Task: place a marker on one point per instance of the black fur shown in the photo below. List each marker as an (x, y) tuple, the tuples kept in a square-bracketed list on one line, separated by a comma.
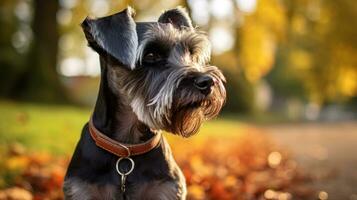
[(102, 35), (93, 165), (177, 17)]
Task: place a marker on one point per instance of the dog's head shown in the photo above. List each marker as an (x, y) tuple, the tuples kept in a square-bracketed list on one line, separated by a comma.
[(161, 69)]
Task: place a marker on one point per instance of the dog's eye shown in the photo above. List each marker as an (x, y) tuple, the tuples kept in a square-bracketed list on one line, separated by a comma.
[(152, 57)]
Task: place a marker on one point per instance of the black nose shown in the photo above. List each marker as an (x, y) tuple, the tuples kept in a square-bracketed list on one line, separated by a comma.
[(203, 83)]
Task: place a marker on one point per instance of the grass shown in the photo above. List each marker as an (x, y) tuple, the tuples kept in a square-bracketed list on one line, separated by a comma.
[(56, 128), (49, 128)]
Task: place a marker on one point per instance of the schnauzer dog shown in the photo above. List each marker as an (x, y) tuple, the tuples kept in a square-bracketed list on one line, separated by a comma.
[(154, 76)]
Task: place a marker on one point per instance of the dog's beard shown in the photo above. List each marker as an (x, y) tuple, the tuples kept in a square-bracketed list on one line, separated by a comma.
[(169, 105), (189, 110)]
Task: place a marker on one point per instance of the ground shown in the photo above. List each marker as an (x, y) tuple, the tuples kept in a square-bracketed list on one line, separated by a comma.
[(228, 159), (326, 150)]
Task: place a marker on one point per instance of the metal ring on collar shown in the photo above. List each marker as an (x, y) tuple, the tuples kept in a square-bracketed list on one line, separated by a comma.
[(131, 166)]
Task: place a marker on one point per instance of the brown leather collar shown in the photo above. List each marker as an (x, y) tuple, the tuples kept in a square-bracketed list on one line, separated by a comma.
[(121, 149)]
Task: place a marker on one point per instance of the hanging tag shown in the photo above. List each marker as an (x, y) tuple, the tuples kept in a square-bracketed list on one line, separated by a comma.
[(124, 174)]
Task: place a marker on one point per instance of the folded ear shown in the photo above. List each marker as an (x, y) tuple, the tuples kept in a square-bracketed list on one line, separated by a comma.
[(178, 17), (114, 35)]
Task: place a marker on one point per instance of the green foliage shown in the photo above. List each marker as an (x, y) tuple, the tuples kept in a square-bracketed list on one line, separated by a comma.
[(240, 93), (285, 81), (318, 52)]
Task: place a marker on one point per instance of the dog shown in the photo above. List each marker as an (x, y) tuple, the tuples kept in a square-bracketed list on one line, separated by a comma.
[(155, 76)]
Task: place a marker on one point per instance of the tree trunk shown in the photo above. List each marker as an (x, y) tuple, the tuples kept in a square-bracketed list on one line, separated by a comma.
[(40, 81), (10, 64)]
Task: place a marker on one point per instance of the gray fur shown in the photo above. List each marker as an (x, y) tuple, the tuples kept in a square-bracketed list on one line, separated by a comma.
[(189, 53)]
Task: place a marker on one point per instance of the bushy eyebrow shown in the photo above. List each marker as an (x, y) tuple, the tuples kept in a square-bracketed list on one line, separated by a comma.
[(198, 46), (169, 38)]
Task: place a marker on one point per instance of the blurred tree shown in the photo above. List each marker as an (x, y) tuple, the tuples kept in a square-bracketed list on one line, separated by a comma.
[(285, 79), (39, 80), (10, 65), (240, 93), (334, 71), (259, 36), (304, 48), (316, 60)]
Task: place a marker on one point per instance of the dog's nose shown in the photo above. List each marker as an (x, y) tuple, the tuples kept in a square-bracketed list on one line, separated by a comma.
[(203, 83)]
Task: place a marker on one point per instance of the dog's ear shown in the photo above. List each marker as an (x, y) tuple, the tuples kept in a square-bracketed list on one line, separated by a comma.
[(178, 17), (114, 35)]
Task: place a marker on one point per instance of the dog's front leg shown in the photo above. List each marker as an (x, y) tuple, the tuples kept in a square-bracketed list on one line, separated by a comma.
[(76, 189), (161, 190)]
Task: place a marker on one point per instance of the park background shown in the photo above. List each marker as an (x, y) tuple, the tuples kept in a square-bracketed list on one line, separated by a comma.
[(287, 131)]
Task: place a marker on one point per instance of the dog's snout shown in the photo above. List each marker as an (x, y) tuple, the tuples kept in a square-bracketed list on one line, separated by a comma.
[(204, 83)]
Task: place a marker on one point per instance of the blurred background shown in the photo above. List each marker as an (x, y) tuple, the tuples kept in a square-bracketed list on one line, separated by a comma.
[(288, 130)]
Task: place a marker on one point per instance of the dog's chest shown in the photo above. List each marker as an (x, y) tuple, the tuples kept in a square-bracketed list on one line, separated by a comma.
[(92, 176), (166, 190)]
